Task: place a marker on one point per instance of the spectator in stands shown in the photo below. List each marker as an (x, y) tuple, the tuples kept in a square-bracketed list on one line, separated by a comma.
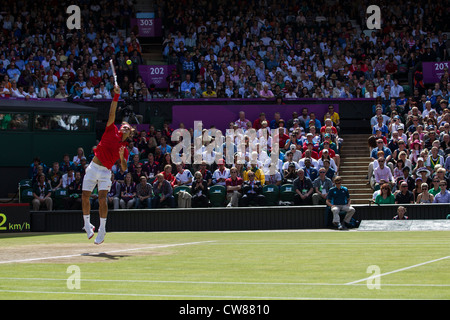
[(424, 196), (73, 201), (186, 85), (163, 193), (383, 174), (339, 201), (251, 192), (322, 185), (127, 192), (221, 174), (144, 194), (385, 196), (42, 193), (54, 177), (303, 189), (199, 190), (234, 188), (404, 196), (113, 195), (183, 177), (444, 195), (68, 178), (258, 173)]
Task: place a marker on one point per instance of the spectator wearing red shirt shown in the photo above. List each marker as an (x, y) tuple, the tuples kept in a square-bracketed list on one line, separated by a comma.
[(234, 187), (257, 123)]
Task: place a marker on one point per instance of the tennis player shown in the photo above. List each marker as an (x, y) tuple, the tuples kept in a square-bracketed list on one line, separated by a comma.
[(111, 147)]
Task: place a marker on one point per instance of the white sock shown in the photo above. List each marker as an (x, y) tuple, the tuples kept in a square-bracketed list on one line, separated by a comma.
[(87, 221), (102, 224)]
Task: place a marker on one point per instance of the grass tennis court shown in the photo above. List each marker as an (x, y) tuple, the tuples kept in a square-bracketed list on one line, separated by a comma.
[(226, 265)]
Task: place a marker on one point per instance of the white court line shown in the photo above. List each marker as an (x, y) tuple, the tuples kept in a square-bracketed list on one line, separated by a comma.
[(398, 270), (221, 282), (183, 296), (105, 252)]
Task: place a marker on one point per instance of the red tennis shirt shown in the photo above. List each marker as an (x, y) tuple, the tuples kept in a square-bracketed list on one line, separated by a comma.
[(107, 151)]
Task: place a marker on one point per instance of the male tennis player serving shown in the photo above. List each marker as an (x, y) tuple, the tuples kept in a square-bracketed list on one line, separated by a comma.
[(111, 147)]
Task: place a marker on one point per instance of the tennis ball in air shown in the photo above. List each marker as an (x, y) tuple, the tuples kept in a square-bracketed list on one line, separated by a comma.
[(129, 62)]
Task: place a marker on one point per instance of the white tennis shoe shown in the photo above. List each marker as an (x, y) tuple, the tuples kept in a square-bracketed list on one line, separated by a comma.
[(100, 236), (90, 232)]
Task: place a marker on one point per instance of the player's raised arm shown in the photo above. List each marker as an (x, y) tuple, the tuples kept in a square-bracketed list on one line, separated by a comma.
[(123, 161), (113, 108)]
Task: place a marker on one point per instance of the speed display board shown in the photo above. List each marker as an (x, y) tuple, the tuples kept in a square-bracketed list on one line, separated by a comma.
[(14, 217)]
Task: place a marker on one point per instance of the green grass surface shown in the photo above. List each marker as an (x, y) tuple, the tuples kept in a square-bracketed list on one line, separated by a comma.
[(229, 265)]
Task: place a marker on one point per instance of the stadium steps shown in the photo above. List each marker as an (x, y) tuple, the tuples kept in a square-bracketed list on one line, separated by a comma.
[(355, 160), (152, 54)]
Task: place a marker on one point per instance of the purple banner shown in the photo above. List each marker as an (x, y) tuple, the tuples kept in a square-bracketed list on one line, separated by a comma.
[(156, 75), (147, 27), (433, 71), (221, 115)]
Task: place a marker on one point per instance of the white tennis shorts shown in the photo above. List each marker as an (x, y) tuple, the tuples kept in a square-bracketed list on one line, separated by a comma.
[(96, 174)]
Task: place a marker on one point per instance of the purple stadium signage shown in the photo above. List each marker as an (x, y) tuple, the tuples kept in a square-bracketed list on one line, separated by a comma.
[(155, 74), (221, 115), (433, 71), (147, 27)]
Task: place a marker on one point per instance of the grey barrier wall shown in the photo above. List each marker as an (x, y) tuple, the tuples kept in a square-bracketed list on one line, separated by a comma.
[(219, 219)]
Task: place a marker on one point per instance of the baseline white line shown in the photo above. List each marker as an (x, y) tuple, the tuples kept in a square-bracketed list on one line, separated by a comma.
[(181, 296), (103, 252), (398, 270), (222, 282)]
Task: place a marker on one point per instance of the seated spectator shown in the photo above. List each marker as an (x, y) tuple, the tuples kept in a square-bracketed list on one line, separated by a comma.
[(290, 174), (163, 192), (113, 195), (404, 196), (303, 189), (168, 176), (258, 173), (273, 179), (385, 196), (322, 185), (55, 177), (183, 176), (68, 178), (266, 93), (127, 193), (199, 190), (234, 188), (424, 196), (221, 174), (42, 194), (251, 192), (383, 174), (73, 201), (444, 195), (309, 169), (144, 194)]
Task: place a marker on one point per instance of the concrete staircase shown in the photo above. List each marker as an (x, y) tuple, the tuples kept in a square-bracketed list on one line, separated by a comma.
[(355, 159), (151, 47)]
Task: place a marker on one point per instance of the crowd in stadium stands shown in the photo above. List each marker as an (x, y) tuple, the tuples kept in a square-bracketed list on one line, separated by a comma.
[(254, 49)]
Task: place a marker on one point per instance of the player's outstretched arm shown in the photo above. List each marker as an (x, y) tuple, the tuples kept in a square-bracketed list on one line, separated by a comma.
[(113, 108), (123, 161)]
